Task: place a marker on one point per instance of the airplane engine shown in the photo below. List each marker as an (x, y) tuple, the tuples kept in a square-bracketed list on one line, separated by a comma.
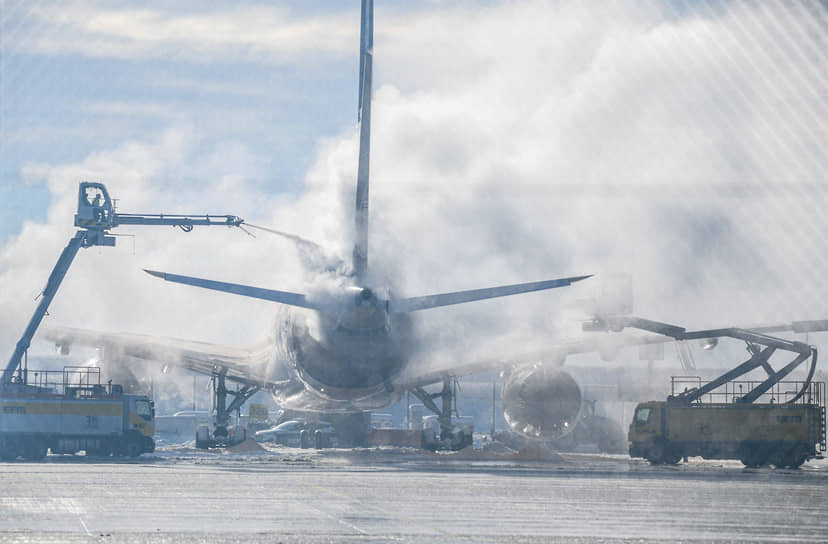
[(541, 401)]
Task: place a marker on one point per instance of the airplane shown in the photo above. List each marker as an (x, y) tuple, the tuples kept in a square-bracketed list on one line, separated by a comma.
[(342, 350), (350, 349)]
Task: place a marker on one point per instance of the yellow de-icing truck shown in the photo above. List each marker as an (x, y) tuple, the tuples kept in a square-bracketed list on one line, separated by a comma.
[(70, 411), (721, 426), (65, 417), (759, 422)]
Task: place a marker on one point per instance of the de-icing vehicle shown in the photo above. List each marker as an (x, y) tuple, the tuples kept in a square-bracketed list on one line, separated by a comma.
[(759, 422), (69, 411)]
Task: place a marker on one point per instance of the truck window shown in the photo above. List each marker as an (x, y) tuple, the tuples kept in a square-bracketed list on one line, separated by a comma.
[(642, 415), (142, 408)]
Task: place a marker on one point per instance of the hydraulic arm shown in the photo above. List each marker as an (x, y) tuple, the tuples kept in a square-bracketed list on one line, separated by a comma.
[(96, 216), (760, 345)]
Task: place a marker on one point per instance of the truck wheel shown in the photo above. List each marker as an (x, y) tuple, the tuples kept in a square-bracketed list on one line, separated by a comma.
[(672, 454), (655, 454), (304, 440), (133, 448), (790, 458), (130, 445), (9, 449), (796, 460), (34, 449), (149, 445), (753, 455)]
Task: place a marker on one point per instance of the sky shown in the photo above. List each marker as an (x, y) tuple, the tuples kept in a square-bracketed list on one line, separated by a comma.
[(684, 143)]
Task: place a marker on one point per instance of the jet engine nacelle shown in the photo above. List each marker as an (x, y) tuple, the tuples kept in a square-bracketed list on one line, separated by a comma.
[(541, 401)]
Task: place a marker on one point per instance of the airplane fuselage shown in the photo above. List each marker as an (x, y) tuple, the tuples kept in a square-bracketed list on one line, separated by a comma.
[(345, 357)]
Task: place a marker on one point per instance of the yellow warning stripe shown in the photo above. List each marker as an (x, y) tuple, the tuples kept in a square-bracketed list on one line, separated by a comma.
[(143, 427), (62, 409)]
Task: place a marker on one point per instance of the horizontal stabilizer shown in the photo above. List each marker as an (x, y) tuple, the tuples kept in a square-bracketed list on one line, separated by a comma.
[(291, 299), (447, 299)]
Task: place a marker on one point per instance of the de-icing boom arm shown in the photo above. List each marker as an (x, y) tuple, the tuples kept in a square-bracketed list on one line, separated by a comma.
[(96, 216)]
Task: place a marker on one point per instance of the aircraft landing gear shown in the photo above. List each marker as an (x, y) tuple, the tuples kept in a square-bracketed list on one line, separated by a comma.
[(223, 434), (451, 436)]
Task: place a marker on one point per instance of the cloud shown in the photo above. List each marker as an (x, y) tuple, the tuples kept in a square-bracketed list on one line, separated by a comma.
[(512, 142), (236, 33), (151, 109)]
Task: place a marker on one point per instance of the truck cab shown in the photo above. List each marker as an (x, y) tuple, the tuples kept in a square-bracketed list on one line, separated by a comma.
[(139, 425), (645, 434)]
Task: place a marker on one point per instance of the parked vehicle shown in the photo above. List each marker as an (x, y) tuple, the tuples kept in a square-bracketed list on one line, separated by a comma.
[(301, 434)]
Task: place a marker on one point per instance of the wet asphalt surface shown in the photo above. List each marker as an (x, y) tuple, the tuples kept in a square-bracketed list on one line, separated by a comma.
[(289, 495)]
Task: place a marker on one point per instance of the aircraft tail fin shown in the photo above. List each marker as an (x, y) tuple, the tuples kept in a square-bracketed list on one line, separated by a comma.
[(366, 53)]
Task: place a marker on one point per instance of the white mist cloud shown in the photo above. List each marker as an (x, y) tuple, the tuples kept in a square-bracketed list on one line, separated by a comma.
[(235, 33), (513, 142)]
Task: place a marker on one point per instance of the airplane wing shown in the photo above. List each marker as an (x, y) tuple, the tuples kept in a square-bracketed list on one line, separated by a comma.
[(244, 364), (607, 342), (425, 372)]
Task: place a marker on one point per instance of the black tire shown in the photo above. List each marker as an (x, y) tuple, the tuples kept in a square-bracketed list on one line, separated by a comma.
[(304, 439), (130, 445), (753, 455), (796, 461), (202, 440), (103, 449), (34, 449), (792, 457), (655, 454), (776, 457), (672, 454), (133, 448), (9, 448)]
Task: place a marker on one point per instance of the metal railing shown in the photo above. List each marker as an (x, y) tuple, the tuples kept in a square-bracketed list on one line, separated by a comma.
[(731, 392), (72, 382)]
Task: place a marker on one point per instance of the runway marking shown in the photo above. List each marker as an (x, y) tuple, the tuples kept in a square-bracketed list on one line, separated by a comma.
[(85, 528), (349, 525), (381, 510), (338, 520)]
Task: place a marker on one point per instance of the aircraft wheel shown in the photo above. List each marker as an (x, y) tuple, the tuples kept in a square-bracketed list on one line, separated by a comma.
[(202, 440)]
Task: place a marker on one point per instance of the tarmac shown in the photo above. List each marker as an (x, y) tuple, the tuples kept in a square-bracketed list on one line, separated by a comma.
[(279, 494)]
